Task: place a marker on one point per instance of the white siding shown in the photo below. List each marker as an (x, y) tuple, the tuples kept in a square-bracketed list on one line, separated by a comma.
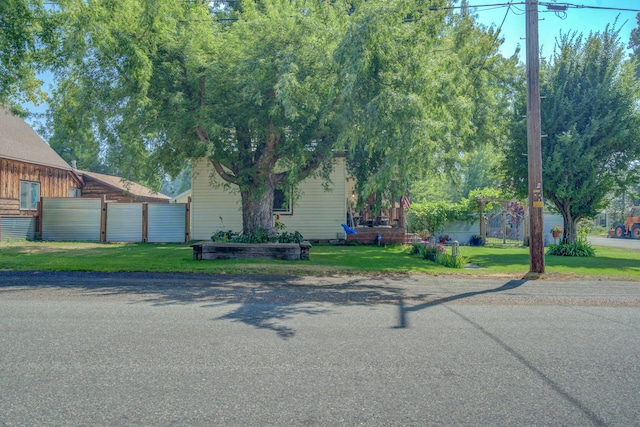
[(182, 197), (209, 203), (317, 214)]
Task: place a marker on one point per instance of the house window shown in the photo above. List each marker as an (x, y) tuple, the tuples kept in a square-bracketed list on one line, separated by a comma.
[(75, 192), (281, 204), (29, 195)]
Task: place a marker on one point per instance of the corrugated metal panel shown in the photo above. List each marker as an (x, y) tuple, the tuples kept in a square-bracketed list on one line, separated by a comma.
[(166, 223), (21, 228), (124, 222), (71, 219)]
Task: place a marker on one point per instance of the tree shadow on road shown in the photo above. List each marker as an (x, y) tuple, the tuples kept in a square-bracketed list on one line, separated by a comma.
[(268, 306), (267, 302), (262, 301), (404, 310)]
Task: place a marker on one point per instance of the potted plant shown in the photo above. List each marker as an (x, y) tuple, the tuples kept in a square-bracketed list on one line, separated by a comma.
[(429, 251), (444, 239), (556, 230), (477, 240)]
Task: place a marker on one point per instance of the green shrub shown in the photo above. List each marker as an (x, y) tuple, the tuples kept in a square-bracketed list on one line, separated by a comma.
[(579, 249), (224, 236), (437, 253), (432, 216), (427, 250), (262, 235), (449, 261), (598, 230), (286, 237)]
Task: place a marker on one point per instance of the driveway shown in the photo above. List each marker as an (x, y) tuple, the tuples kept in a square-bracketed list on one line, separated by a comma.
[(615, 243)]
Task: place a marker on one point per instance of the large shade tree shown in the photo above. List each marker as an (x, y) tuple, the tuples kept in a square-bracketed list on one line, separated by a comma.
[(27, 31), (265, 89), (477, 169), (154, 82), (423, 86), (591, 120), (634, 44)]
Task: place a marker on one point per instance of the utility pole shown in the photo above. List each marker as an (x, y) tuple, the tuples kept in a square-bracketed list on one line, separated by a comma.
[(534, 143)]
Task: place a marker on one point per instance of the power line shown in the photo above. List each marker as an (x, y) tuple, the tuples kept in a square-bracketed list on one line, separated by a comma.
[(550, 6), (564, 6)]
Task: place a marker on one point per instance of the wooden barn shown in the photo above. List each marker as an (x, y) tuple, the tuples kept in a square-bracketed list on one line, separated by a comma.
[(30, 169), (116, 189)]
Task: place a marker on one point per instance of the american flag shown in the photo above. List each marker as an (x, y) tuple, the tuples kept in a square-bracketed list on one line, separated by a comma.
[(405, 202)]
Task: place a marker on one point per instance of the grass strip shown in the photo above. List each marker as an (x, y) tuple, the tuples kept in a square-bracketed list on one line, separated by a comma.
[(488, 261)]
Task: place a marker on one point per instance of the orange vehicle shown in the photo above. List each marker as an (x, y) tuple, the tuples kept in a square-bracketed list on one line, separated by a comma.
[(631, 227)]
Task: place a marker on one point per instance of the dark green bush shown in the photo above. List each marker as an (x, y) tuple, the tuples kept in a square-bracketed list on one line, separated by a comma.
[(224, 236), (449, 261), (260, 236), (580, 248), (286, 237), (437, 253), (426, 249)]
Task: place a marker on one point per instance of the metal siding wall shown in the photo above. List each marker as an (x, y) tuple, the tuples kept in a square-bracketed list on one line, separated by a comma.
[(166, 223), (17, 228), (124, 222), (71, 219)]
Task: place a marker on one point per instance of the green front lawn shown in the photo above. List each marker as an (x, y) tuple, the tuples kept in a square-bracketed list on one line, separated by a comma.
[(493, 261)]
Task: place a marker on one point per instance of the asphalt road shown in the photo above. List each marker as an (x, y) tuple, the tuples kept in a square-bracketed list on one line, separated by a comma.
[(615, 243), (200, 350)]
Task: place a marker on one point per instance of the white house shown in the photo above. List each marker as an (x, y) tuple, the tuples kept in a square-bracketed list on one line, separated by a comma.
[(317, 213), (182, 197)]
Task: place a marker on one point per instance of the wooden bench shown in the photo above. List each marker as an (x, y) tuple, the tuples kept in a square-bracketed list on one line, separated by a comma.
[(227, 250)]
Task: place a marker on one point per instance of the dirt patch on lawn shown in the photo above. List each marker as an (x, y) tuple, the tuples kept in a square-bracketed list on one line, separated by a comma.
[(27, 247)]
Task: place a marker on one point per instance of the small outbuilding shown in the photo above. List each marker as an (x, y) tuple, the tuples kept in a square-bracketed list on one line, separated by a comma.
[(116, 189), (30, 169)]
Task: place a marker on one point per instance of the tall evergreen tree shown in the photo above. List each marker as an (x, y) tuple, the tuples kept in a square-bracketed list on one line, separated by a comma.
[(591, 120), (634, 44)]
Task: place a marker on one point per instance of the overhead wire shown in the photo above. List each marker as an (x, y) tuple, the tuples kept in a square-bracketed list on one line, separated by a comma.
[(549, 5)]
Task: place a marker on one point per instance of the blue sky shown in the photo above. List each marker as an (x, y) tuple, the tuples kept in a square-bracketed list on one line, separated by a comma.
[(581, 19)]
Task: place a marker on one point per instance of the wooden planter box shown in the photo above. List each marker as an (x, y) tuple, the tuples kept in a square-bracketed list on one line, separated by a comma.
[(218, 250)]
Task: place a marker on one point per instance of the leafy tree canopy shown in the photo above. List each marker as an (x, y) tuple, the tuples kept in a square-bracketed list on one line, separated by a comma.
[(148, 84), (590, 117), (421, 87), (476, 169), (268, 90), (27, 31), (634, 44)]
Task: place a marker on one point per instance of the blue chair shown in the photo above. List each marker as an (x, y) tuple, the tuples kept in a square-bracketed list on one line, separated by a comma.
[(348, 229)]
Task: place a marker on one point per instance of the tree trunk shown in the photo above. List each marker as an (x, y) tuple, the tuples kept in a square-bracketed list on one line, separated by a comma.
[(570, 228), (257, 207), (483, 227)]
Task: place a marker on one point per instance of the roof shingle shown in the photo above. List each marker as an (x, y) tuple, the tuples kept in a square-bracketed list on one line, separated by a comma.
[(19, 142), (130, 187)]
